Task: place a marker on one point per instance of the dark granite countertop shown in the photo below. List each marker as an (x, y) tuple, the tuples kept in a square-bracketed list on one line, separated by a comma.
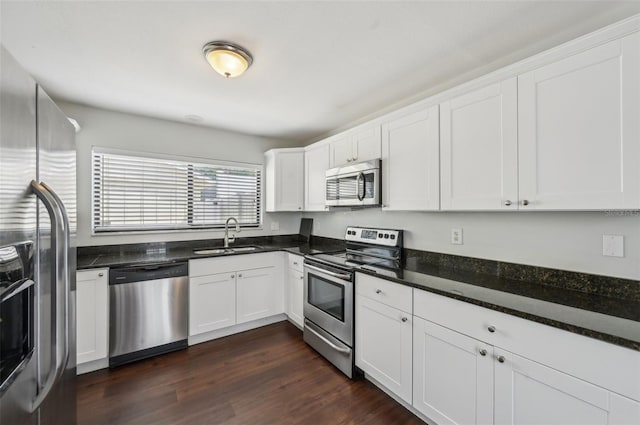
[(614, 320), (600, 307), (149, 253)]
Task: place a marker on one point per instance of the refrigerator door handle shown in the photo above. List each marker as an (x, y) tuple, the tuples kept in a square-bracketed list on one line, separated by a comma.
[(60, 290)]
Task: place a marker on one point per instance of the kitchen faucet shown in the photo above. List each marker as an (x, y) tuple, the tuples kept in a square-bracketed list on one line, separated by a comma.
[(227, 239)]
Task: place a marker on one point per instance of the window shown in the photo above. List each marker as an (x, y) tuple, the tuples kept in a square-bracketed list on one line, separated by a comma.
[(132, 192)]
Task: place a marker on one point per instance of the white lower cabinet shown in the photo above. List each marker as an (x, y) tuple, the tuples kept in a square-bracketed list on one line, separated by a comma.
[(212, 302), (464, 379), (529, 393), (257, 294), (92, 315), (452, 375), (458, 363), (233, 290), (295, 290), (383, 341)]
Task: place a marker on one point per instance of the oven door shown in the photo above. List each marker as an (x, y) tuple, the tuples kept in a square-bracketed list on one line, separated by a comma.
[(328, 301)]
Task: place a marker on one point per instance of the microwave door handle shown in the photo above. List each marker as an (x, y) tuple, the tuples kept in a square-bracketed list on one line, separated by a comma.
[(364, 192), (59, 240)]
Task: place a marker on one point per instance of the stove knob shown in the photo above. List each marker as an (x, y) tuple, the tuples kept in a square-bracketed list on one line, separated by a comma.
[(393, 237), (386, 236), (379, 235)]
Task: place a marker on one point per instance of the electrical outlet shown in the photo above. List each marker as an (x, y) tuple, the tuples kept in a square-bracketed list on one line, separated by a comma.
[(456, 236), (275, 225), (613, 245)]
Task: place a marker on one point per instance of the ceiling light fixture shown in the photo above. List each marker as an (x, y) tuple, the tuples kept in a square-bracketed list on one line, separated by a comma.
[(226, 58)]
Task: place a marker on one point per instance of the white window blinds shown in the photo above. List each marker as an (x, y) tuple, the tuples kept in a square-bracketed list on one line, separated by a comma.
[(133, 192)]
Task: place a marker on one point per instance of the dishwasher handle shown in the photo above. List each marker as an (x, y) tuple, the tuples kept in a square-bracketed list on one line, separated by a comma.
[(144, 272)]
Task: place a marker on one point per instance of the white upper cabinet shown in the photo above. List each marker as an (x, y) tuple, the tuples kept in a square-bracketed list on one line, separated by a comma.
[(316, 164), (579, 130), (359, 145), (410, 162), (479, 149), (284, 179)]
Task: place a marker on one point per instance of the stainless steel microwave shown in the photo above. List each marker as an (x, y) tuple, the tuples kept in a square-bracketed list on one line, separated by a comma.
[(353, 185)]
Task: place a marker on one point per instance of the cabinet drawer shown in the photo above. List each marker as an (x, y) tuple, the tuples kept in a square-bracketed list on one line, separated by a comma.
[(386, 292), (91, 275), (295, 262), (607, 365)]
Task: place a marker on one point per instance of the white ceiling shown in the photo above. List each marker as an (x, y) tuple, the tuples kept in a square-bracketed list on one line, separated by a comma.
[(318, 65)]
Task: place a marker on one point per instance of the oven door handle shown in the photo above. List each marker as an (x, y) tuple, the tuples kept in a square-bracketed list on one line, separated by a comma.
[(338, 275), (329, 343)]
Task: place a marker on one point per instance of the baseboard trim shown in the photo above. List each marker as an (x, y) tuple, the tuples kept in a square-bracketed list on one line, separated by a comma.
[(242, 327)]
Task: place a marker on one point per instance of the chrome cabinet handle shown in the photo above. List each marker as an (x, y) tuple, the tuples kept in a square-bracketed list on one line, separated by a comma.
[(301, 277), (239, 274), (295, 263), (100, 274), (501, 359), (507, 203), (491, 329), (404, 319), (483, 352), (232, 276), (525, 202), (378, 291)]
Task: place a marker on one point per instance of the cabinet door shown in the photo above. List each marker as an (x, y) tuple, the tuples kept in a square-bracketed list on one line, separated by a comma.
[(212, 302), (383, 345), (367, 144), (410, 162), (341, 151), (92, 320), (296, 297), (579, 132), (257, 294), (529, 393), (316, 164), (452, 375), (287, 193), (479, 149)]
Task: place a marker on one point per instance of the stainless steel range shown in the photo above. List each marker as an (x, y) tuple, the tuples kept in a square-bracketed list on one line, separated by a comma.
[(329, 290)]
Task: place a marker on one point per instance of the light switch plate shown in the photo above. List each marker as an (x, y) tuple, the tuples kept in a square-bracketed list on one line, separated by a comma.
[(275, 225), (613, 245), (456, 236)]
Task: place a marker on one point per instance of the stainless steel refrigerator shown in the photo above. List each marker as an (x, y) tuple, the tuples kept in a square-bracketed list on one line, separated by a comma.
[(37, 253)]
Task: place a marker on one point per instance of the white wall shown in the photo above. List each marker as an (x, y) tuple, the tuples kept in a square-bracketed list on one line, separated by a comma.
[(137, 133), (562, 240)]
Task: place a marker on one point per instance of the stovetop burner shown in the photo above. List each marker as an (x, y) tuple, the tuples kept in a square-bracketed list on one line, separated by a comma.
[(365, 246)]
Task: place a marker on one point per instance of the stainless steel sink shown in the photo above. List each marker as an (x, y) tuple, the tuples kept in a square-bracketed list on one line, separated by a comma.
[(245, 248), (213, 251)]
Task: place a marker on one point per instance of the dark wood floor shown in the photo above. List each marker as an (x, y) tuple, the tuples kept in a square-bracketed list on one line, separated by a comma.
[(264, 376)]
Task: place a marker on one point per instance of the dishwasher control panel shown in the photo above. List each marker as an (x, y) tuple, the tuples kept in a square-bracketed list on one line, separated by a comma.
[(147, 272)]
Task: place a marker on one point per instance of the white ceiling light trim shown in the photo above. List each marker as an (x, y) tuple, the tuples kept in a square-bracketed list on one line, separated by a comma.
[(227, 59)]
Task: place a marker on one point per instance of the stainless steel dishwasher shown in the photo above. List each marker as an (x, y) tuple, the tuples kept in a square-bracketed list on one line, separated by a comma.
[(148, 312)]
